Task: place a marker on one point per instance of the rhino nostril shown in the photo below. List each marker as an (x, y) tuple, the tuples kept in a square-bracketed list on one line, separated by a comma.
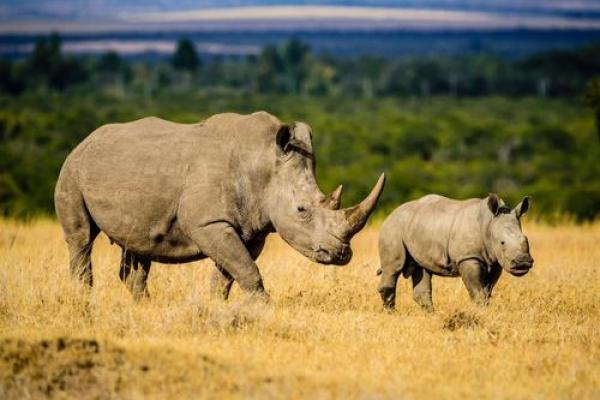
[(345, 251), (530, 260)]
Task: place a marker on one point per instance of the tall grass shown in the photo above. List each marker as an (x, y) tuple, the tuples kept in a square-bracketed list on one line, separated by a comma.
[(323, 335)]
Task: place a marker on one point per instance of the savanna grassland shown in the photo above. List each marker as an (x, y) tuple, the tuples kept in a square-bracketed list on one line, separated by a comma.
[(323, 335), (459, 126)]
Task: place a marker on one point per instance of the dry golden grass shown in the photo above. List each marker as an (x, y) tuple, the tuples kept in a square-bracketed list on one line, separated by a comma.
[(323, 335)]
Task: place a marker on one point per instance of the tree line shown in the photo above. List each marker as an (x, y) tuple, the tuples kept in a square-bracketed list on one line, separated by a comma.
[(429, 135), (291, 67)]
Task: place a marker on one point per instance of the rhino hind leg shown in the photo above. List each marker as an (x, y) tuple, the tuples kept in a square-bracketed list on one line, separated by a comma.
[(80, 260), (134, 273), (80, 232), (392, 263), (421, 281)]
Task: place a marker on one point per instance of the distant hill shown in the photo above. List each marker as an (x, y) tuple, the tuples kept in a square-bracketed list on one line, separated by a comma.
[(509, 44), (436, 13), (90, 9), (138, 28)]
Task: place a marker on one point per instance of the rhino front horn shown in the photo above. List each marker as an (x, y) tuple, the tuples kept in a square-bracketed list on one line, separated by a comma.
[(334, 200), (356, 217)]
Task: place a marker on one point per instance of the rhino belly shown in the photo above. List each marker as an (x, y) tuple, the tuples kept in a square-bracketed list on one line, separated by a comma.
[(432, 257), (136, 207), (160, 239), (435, 229), (428, 245)]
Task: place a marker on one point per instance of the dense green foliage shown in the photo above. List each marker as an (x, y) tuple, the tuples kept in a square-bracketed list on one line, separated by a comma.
[(592, 96), (462, 148), (453, 145)]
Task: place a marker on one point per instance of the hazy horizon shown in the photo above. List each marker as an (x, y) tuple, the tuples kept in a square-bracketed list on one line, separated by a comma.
[(110, 15), (344, 27)]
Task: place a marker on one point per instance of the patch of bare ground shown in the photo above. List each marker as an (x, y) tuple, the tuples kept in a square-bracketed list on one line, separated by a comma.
[(100, 369)]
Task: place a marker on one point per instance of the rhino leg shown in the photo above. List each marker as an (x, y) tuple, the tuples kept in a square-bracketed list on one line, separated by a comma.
[(473, 275), (80, 232), (134, 273), (421, 281), (221, 281), (221, 243), (392, 263), (490, 279)]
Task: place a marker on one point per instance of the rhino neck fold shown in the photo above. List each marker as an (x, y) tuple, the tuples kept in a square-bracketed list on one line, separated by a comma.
[(485, 219), (248, 196)]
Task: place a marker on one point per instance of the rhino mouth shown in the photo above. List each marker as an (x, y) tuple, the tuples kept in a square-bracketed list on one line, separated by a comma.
[(341, 256), (520, 269)]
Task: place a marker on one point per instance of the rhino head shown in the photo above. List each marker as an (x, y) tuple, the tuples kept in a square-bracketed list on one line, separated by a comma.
[(305, 218), (506, 241)]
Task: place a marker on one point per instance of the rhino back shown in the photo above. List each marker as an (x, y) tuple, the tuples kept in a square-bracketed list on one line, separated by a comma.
[(437, 231)]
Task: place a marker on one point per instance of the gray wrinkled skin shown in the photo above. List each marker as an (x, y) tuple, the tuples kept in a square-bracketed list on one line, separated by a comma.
[(474, 239), (175, 193)]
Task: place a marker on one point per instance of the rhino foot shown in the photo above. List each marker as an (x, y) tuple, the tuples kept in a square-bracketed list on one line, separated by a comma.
[(388, 296), (259, 296), (425, 305)]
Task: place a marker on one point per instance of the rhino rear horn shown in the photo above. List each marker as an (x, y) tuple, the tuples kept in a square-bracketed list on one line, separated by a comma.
[(356, 217), (334, 200)]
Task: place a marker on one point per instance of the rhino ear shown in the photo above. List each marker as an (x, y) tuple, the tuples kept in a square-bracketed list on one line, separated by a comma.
[(493, 203), (283, 139), (302, 137), (522, 208), (298, 137)]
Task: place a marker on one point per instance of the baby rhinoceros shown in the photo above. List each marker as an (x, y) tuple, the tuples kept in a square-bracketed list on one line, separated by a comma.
[(434, 235)]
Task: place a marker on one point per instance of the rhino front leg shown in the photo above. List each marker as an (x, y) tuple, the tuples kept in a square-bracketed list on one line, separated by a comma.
[(491, 278), (221, 243), (472, 273), (421, 281), (221, 281)]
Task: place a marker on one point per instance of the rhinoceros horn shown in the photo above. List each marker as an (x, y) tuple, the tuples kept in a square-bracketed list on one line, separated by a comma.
[(354, 218), (334, 200)]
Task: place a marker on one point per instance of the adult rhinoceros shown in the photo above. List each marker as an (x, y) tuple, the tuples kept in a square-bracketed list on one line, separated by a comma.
[(174, 193)]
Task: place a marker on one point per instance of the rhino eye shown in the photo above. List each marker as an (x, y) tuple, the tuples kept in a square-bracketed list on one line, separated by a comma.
[(303, 212)]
